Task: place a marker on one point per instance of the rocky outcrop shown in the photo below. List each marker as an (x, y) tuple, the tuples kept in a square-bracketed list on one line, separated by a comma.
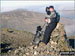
[(57, 43)]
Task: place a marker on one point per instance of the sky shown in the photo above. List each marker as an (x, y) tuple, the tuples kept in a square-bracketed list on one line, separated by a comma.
[(12, 5)]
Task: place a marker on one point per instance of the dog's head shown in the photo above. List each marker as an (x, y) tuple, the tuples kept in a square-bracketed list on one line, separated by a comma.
[(39, 28)]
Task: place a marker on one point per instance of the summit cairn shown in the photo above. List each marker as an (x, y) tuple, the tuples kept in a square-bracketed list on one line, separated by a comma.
[(57, 43)]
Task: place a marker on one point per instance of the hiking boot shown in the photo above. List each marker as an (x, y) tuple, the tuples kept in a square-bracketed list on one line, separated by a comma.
[(42, 44)]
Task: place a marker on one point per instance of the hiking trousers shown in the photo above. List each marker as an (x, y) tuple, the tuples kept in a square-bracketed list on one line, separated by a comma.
[(48, 31)]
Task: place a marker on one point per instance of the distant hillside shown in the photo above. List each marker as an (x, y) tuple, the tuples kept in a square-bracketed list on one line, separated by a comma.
[(67, 14), (21, 19), (71, 37), (15, 37)]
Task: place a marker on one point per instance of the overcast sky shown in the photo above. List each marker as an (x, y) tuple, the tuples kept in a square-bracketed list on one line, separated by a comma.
[(11, 5)]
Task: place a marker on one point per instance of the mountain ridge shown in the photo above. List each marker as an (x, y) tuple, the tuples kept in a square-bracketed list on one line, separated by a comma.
[(23, 20)]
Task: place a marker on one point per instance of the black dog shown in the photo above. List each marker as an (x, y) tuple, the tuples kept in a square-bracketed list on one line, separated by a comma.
[(37, 35)]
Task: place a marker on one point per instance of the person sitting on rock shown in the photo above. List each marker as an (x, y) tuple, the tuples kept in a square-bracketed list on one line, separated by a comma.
[(52, 18)]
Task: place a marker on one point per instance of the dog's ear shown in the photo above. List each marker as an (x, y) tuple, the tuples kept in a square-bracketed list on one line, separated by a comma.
[(38, 28)]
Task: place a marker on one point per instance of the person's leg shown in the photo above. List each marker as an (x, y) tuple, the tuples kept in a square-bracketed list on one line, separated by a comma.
[(48, 32)]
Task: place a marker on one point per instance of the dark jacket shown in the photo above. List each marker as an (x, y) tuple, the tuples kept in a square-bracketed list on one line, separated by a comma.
[(54, 17)]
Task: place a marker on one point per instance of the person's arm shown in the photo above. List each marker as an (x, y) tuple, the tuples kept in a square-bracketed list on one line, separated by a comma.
[(58, 17), (47, 19)]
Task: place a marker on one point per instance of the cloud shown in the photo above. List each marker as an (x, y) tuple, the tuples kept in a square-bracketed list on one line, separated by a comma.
[(11, 5)]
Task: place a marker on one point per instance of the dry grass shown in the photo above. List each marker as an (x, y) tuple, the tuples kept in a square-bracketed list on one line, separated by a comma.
[(15, 38)]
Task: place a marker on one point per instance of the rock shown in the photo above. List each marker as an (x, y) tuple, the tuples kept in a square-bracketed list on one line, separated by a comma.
[(35, 47), (24, 54), (53, 43), (10, 30), (47, 52), (9, 51), (16, 51), (27, 54), (58, 25), (57, 43), (42, 44), (35, 53), (31, 47)]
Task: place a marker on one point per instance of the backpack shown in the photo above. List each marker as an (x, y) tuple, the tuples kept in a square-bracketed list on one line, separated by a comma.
[(57, 17)]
